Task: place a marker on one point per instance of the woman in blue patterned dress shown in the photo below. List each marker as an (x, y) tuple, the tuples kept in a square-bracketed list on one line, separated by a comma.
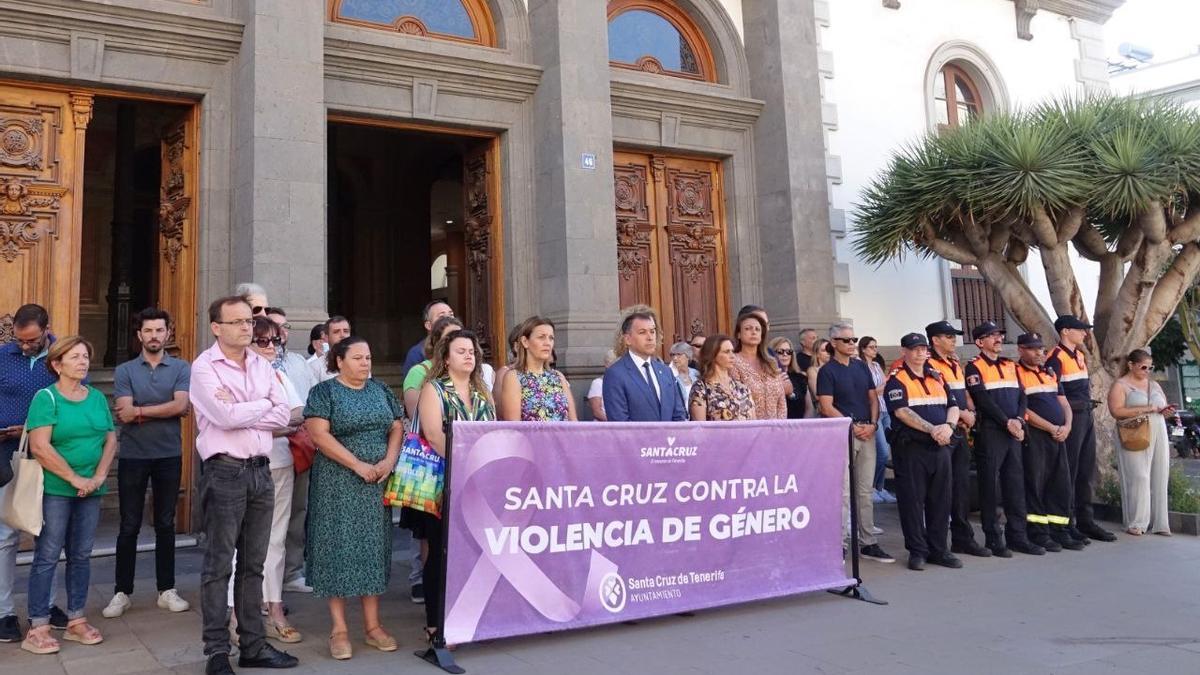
[(533, 391)]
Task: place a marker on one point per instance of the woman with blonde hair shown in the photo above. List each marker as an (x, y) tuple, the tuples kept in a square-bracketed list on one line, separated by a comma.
[(822, 352), (1144, 473), (755, 368), (532, 390), (786, 357)]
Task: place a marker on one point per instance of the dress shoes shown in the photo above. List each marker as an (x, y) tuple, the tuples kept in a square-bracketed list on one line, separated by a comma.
[(1000, 550), (1075, 534), (1027, 547), (1094, 531), (268, 657), (1049, 544), (946, 560), (916, 563), (218, 664), (972, 548)]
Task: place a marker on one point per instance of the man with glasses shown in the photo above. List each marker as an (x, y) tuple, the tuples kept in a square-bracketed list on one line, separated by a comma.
[(1070, 363), (151, 392), (1000, 401), (845, 388), (239, 403), (22, 373)]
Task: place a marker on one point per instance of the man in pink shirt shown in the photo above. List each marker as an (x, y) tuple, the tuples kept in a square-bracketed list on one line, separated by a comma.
[(238, 403)]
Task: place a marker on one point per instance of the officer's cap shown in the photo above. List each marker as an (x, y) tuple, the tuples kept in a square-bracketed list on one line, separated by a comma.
[(1030, 340), (1070, 321), (914, 340), (941, 328), (985, 329)]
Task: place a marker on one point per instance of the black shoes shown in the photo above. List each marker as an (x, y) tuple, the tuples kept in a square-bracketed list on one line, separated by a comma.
[(1049, 544), (1075, 534), (10, 629), (947, 560), (268, 657), (218, 664), (876, 553), (972, 548), (58, 618), (999, 550), (1027, 547), (915, 562), (1094, 531), (1065, 540), (417, 594)]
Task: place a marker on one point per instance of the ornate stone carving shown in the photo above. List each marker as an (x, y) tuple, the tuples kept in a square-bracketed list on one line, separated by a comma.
[(411, 25), (81, 108), (1026, 10), (20, 142), (650, 64), (6, 329)]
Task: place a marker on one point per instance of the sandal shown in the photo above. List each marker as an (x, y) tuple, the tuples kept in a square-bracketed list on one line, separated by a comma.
[(339, 646), (87, 635), (40, 641), (384, 643), (1135, 531), (1163, 533), (282, 632)]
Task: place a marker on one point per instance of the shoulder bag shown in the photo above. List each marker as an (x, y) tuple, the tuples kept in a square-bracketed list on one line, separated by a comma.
[(419, 477), (1135, 431), (21, 506)]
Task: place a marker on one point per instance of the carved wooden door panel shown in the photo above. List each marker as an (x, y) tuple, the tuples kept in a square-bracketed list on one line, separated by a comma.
[(177, 232), (670, 242), (41, 169), (481, 192)]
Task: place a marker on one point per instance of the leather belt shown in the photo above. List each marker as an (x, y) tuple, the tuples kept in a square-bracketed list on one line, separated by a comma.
[(261, 460)]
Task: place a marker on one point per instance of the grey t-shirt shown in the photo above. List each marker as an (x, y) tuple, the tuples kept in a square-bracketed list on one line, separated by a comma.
[(154, 438)]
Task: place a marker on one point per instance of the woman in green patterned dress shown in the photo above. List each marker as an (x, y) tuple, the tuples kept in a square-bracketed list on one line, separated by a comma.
[(454, 390), (355, 422)]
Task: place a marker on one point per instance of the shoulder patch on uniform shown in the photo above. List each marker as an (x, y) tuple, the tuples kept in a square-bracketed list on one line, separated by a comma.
[(895, 394), (972, 380)]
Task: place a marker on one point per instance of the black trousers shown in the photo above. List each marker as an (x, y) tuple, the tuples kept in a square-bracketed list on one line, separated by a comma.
[(961, 532), (1001, 482), (1081, 462), (1047, 483), (133, 476), (435, 563), (923, 489)]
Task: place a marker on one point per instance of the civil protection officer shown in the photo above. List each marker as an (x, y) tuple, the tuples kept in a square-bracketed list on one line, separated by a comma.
[(1000, 401), (922, 437), (1048, 418), (943, 358), (1070, 363)]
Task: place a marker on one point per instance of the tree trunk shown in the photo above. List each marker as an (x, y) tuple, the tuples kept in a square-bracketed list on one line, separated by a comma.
[(1105, 425)]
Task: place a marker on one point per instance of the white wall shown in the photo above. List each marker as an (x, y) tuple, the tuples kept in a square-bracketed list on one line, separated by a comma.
[(880, 57)]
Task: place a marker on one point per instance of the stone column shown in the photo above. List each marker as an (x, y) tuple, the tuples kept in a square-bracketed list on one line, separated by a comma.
[(793, 203), (279, 160), (576, 231)]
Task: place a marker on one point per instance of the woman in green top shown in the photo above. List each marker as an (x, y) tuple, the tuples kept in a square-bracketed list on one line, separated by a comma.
[(415, 377), (71, 435), (454, 391)]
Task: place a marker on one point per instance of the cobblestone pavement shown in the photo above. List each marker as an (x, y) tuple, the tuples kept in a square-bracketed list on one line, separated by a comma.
[(1128, 607)]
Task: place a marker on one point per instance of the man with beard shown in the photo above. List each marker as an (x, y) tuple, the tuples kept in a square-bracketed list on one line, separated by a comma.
[(22, 373), (151, 392)]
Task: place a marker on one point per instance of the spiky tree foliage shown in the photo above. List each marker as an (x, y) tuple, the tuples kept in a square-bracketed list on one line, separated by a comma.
[(1116, 178)]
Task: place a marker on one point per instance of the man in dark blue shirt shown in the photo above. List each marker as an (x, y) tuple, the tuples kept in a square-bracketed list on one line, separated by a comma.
[(432, 312), (845, 388), (23, 373)]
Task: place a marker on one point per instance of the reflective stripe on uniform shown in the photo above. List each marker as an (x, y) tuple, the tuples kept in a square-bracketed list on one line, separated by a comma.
[(1001, 384), (1041, 389), (1058, 520), (1039, 520), (1072, 377)]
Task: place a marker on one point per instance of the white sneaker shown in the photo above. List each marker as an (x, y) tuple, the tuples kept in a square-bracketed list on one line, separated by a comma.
[(117, 606), (876, 530), (170, 601), (297, 585)]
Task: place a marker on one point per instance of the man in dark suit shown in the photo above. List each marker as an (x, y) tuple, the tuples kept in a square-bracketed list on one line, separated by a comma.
[(639, 387)]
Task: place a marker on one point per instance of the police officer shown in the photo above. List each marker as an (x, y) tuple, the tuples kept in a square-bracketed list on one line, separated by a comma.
[(922, 435), (943, 338), (1047, 481), (1068, 361), (1000, 402)]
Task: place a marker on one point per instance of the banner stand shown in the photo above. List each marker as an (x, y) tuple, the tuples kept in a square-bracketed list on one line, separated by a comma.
[(437, 653), (858, 591)]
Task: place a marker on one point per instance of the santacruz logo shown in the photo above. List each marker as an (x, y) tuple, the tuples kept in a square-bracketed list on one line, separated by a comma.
[(670, 450), (612, 592)]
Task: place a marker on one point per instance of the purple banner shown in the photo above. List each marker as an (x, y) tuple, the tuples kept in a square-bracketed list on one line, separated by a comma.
[(570, 524)]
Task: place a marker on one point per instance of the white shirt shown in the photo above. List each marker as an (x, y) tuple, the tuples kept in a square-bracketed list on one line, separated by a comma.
[(639, 362), (597, 390), (295, 366), (281, 452), (316, 369)]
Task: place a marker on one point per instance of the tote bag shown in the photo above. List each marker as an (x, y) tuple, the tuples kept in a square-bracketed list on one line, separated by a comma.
[(420, 474), (21, 508)]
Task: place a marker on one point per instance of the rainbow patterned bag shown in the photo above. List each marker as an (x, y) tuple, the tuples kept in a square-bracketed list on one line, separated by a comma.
[(419, 477)]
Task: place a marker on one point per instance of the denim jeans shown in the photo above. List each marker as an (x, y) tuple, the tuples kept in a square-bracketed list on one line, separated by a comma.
[(237, 502), (70, 523), (882, 449), (133, 476)]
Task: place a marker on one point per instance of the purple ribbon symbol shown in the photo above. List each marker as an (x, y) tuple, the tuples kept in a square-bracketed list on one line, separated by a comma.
[(518, 569)]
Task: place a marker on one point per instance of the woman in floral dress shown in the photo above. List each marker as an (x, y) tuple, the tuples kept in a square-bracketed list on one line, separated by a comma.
[(716, 396), (533, 391), (754, 367)]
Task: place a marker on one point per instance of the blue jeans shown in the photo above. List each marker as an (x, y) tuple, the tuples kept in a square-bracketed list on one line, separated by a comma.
[(70, 523), (882, 450)]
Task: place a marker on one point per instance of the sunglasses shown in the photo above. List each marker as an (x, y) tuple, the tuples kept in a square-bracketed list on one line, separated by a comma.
[(1143, 367), (785, 352), (696, 346), (257, 310), (846, 340), (264, 342)]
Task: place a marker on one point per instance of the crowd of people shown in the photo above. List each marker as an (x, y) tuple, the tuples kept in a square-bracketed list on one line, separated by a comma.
[(296, 451)]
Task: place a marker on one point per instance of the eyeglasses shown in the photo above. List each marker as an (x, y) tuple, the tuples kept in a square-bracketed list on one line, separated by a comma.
[(846, 340), (264, 342), (237, 322), (785, 352), (285, 326), (32, 343)]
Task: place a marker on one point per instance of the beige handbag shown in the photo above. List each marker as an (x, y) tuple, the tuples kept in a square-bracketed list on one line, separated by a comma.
[(21, 506), (1134, 433)]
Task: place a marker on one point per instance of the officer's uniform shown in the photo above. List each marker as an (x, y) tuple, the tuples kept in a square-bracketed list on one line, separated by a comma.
[(962, 535), (922, 466), (1071, 368), (1047, 480), (998, 398)]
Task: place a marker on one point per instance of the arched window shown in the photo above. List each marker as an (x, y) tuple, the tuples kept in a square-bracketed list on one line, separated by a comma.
[(957, 97), (656, 36), (459, 20)]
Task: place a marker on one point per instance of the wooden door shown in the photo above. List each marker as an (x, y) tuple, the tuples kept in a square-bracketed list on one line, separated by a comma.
[(670, 242), (176, 267), (481, 194), (41, 173)]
